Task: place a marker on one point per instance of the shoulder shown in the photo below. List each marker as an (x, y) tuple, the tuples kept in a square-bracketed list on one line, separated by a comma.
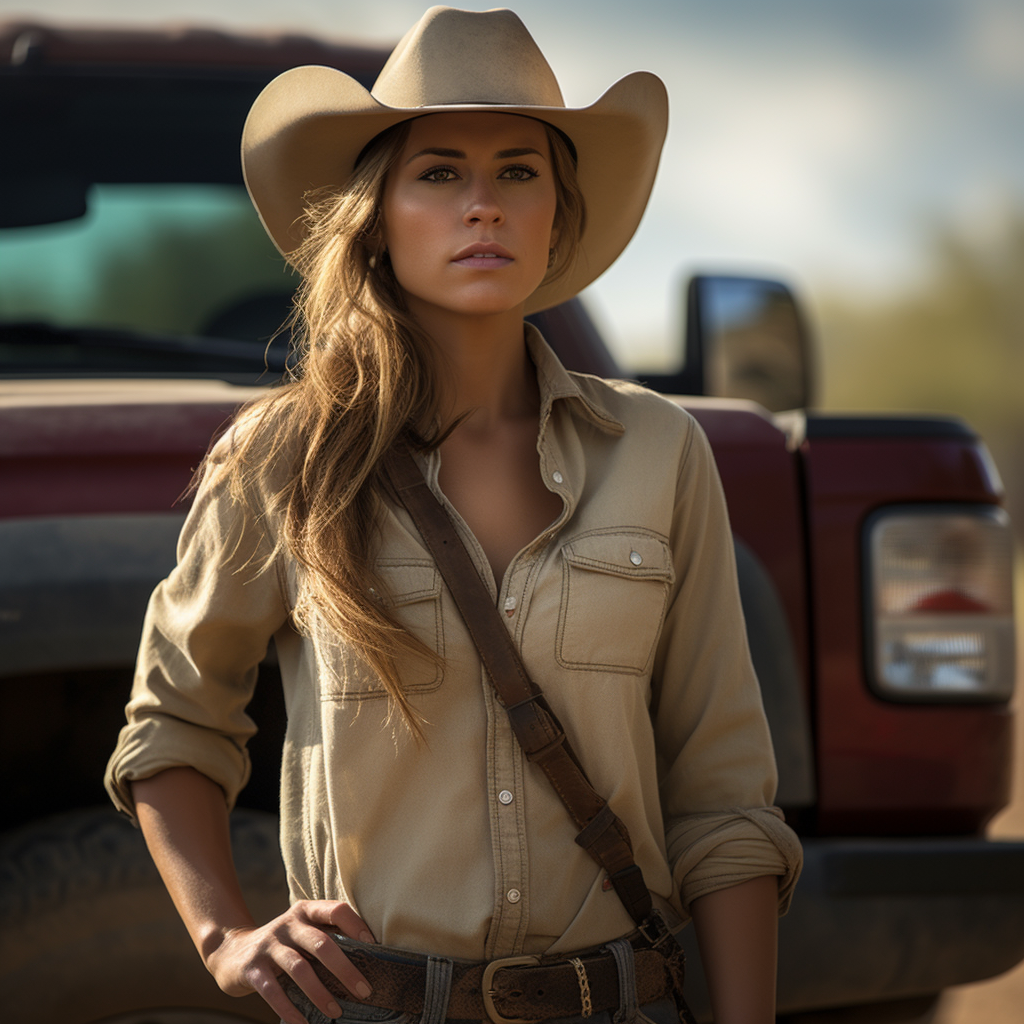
[(662, 446), (261, 422), (261, 446), (643, 414)]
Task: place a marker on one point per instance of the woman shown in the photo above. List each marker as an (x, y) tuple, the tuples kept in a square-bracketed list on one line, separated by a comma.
[(458, 196)]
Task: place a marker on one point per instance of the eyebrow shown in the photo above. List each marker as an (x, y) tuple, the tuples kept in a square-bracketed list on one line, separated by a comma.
[(458, 154)]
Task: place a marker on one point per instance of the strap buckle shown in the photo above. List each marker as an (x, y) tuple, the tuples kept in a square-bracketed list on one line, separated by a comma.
[(489, 993), (654, 929)]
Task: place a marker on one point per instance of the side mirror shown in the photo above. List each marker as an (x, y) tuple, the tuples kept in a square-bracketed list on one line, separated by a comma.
[(28, 201), (745, 338)]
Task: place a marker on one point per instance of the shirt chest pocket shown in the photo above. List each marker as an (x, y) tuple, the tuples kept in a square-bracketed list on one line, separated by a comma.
[(414, 598), (615, 587)]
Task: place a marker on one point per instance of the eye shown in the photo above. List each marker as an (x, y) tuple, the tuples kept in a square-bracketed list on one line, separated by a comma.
[(518, 172), (439, 175)]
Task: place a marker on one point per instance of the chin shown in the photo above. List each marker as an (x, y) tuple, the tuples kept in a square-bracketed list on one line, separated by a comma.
[(481, 306), (493, 304)]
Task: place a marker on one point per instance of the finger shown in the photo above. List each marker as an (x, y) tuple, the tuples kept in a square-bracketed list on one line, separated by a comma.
[(268, 986), (341, 917), (326, 950), (301, 971)]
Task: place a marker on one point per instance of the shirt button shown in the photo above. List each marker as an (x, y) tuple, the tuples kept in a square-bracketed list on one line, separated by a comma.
[(635, 557), (510, 605), (505, 797), (557, 477), (513, 895)]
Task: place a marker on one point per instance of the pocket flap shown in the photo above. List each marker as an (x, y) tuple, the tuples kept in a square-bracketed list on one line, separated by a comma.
[(621, 553), (408, 582)]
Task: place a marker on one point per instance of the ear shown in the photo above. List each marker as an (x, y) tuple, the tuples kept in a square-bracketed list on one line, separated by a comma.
[(553, 246), (377, 242), (555, 234)]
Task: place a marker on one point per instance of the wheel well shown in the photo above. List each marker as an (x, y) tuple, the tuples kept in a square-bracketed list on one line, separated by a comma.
[(774, 658)]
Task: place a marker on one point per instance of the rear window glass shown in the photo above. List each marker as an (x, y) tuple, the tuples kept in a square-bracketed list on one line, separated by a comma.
[(170, 259)]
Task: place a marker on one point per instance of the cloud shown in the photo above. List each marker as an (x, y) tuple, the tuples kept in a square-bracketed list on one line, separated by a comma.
[(995, 42)]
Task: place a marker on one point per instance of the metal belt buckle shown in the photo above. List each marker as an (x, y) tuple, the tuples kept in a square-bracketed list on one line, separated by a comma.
[(488, 993), (654, 929)]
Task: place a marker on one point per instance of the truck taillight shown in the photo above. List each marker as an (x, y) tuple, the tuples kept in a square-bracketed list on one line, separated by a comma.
[(940, 604)]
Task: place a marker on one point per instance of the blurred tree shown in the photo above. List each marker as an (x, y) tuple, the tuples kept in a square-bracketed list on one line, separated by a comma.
[(955, 345)]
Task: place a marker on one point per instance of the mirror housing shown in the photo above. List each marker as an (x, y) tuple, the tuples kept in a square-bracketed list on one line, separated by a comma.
[(42, 199), (745, 338)]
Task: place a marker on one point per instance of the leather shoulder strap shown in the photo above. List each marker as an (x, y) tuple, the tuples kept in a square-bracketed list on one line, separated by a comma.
[(601, 833)]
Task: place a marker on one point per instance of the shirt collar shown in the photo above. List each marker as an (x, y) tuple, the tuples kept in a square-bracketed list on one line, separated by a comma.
[(555, 382)]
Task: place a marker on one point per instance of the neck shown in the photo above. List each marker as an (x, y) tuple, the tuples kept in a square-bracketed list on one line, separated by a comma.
[(485, 369)]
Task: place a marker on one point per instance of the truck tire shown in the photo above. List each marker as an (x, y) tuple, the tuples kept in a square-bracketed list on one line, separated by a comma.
[(88, 932)]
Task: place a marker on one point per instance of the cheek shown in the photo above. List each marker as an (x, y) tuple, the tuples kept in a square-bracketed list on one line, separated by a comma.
[(542, 222), (409, 220), (403, 227), (547, 205)]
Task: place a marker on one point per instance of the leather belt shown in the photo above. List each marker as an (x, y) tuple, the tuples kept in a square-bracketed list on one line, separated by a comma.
[(525, 988)]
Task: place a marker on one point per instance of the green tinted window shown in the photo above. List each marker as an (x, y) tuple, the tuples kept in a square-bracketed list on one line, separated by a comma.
[(176, 259)]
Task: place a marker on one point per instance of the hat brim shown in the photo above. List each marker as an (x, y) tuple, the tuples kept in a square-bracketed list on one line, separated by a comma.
[(308, 126)]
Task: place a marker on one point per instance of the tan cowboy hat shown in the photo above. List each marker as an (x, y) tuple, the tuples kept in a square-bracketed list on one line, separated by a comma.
[(309, 125)]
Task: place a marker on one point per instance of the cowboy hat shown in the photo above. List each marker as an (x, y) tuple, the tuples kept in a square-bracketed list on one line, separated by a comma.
[(307, 128)]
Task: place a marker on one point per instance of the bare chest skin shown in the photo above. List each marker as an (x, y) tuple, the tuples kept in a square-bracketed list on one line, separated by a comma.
[(493, 480)]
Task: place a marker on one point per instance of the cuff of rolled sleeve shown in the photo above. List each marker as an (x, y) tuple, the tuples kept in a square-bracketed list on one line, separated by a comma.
[(146, 749), (715, 851)]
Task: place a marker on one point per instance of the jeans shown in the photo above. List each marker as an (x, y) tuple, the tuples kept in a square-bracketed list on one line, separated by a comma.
[(662, 1012)]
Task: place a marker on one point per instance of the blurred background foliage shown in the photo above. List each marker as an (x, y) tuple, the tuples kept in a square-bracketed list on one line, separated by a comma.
[(952, 343)]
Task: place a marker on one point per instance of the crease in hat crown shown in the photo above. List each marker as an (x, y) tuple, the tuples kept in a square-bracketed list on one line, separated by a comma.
[(307, 127), (497, 59)]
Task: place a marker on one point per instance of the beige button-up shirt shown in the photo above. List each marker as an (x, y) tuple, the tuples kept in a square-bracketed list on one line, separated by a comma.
[(625, 611)]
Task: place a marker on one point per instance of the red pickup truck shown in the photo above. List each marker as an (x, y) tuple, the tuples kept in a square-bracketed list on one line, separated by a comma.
[(137, 298)]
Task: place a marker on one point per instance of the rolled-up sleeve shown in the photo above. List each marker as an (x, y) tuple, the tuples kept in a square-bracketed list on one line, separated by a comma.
[(207, 627), (717, 772)]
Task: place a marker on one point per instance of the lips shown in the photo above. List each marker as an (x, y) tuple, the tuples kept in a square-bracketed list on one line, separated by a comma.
[(483, 255)]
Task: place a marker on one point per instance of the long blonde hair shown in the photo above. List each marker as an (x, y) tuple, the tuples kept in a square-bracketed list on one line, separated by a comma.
[(364, 381)]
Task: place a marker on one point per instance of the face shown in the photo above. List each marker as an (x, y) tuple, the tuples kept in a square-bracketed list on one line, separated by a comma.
[(468, 210)]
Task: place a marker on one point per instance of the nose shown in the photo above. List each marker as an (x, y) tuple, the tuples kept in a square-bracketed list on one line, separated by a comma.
[(483, 204)]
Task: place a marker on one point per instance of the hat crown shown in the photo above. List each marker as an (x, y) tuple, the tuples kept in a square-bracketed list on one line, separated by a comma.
[(453, 57)]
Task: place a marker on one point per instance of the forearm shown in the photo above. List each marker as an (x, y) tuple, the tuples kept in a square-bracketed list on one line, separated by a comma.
[(737, 930), (185, 822)]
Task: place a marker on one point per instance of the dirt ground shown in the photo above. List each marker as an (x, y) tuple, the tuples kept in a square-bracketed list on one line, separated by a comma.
[(999, 1000)]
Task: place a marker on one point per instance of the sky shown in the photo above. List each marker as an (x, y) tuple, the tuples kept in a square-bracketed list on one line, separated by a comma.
[(814, 140)]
